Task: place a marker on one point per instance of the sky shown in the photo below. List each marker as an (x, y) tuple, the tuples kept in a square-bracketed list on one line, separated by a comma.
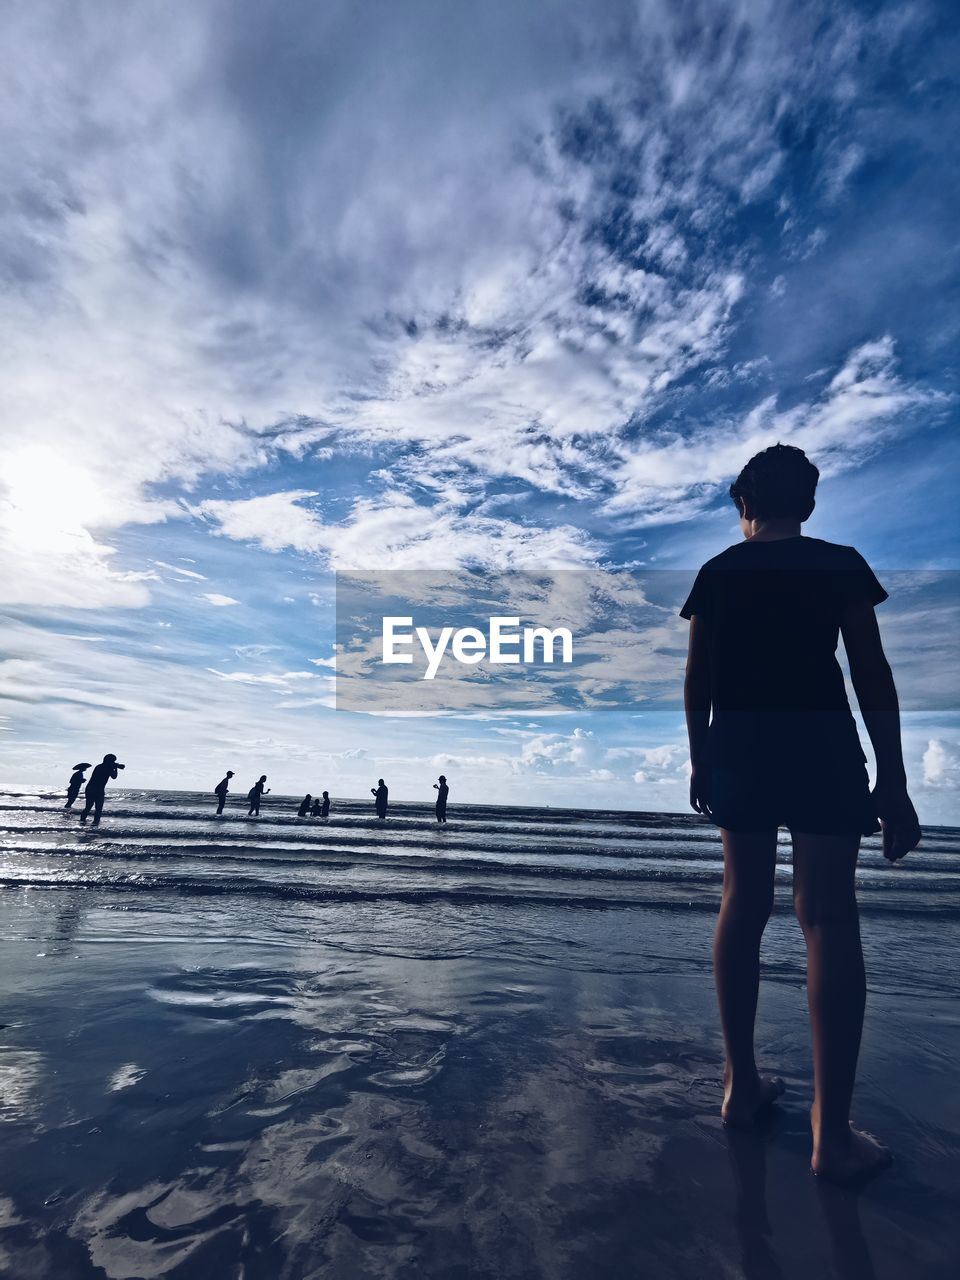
[(292, 290)]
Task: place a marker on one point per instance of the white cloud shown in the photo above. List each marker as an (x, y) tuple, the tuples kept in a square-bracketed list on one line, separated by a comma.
[(941, 764), (664, 764), (182, 573), (305, 267), (220, 601), (864, 404), (275, 679), (396, 532)]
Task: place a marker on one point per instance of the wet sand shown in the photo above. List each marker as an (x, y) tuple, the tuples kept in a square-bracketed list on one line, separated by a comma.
[(352, 1094)]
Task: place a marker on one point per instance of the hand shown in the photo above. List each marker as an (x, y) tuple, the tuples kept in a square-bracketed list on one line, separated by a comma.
[(898, 821), (700, 792)]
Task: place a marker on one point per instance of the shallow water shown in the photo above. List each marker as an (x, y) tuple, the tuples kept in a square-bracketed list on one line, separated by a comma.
[(279, 1048)]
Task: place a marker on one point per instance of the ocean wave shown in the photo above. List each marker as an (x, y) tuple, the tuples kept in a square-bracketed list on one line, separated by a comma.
[(172, 844)]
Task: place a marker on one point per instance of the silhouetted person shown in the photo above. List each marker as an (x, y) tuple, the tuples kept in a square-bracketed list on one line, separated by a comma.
[(96, 788), (220, 791), (325, 806), (255, 795), (773, 743), (379, 794), (304, 810), (76, 782), (315, 810), (442, 791)]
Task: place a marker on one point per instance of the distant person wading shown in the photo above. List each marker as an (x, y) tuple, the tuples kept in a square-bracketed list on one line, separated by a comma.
[(221, 789), (255, 795), (75, 783), (379, 793), (96, 790), (442, 790)]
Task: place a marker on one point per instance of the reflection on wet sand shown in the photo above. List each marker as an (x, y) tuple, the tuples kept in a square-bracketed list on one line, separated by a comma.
[(840, 1207), (204, 1087), (841, 1212), (748, 1160)]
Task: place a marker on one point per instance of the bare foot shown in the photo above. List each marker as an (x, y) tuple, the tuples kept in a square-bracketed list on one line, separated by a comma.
[(849, 1157), (743, 1105)]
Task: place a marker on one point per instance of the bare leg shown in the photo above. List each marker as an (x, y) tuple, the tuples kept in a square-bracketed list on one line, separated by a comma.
[(749, 863), (824, 894)]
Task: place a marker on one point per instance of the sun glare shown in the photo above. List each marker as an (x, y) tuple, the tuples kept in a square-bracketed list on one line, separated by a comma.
[(50, 503)]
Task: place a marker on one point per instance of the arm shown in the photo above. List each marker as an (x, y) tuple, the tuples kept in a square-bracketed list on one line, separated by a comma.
[(877, 695), (696, 703)]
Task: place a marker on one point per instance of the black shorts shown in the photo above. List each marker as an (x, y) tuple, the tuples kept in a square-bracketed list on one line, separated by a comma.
[(814, 782)]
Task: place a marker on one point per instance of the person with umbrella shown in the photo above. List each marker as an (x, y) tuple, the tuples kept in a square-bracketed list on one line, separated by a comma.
[(76, 782)]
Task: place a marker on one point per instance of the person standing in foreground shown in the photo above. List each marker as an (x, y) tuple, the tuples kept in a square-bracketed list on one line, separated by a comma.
[(255, 795), (379, 793), (442, 791), (76, 782), (96, 789), (773, 743), (220, 791)]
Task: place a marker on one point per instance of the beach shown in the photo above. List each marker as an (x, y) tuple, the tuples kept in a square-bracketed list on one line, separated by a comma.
[(285, 1048)]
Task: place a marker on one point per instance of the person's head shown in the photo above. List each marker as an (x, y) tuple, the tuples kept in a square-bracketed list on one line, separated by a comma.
[(326, 795), (110, 759), (229, 773), (263, 777), (777, 484), (442, 778), (379, 782)]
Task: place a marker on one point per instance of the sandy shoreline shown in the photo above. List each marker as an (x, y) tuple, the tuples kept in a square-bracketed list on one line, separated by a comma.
[(180, 1102)]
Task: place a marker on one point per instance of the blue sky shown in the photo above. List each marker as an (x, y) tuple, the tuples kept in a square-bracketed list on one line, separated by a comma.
[(291, 289)]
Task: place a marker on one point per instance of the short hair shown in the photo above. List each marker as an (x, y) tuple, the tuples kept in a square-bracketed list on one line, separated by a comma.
[(779, 481)]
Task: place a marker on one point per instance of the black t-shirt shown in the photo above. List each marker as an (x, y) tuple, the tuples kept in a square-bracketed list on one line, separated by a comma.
[(101, 775), (772, 612)]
